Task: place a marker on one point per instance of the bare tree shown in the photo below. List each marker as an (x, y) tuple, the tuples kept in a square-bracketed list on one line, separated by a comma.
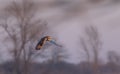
[(85, 48), (113, 57), (114, 61), (55, 53), (92, 45), (58, 55), (23, 27)]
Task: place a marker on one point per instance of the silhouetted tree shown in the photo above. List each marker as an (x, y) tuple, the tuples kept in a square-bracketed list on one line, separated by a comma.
[(92, 45), (23, 28), (113, 61), (113, 57)]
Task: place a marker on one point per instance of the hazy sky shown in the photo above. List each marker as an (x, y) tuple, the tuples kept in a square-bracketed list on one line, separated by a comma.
[(67, 22), (105, 17)]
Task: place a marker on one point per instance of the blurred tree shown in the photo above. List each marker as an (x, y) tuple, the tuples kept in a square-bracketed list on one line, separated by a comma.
[(23, 28), (113, 57), (58, 55), (113, 64), (92, 45), (85, 48)]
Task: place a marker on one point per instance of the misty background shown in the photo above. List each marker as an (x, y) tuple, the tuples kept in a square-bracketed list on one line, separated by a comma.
[(74, 24)]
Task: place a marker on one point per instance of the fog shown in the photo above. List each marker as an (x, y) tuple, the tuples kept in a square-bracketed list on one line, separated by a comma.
[(67, 20)]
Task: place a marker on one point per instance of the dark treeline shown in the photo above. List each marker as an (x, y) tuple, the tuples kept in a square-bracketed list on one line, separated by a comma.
[(62, 68)]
